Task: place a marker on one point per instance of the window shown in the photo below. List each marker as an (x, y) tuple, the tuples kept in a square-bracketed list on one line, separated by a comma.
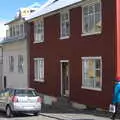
[(11, 63), (92, 72), (39, 31), (10, 31), (21, 27), (65, 24), (16, 30), (13, 27), (39, 69), (92, 18), (20, 63)]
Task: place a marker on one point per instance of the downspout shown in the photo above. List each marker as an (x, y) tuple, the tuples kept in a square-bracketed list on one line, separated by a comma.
[(118, 38)]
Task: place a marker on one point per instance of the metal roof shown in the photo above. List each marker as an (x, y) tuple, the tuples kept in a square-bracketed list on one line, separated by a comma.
[(56, 5)]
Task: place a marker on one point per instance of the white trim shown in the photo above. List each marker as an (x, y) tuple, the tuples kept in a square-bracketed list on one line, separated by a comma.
[(65, 37), (91, 57), (38, 58), (64, 60), (39, 80), (35, 42), (90, 88), (94, 33)]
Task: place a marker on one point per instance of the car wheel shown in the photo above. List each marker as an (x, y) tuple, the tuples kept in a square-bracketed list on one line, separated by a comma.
[(36, 113), (9, 112)]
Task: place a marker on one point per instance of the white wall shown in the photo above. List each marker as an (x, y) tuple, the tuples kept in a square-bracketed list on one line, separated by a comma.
[(1, 67), (15, 79)]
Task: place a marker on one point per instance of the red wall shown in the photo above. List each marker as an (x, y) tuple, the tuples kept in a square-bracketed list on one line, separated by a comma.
[(53, 50)]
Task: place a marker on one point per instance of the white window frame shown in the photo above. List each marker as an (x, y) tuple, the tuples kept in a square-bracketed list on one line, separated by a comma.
[(38, 71), (20, 63), (11, 63), (15, 30), (97, 27), (64, 34), (93, 85), (39, 31)]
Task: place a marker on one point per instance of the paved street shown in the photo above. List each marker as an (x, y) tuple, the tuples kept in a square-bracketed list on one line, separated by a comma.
[(58, 116), (51, 113)]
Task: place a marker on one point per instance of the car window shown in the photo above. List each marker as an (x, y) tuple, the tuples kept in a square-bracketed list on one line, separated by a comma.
[(29, 93)]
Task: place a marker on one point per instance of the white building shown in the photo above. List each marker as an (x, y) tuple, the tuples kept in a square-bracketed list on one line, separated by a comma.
[(15, 51)]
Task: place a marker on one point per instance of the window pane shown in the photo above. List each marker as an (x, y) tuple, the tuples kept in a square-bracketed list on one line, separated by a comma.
[(20, 63), (91, 9), (21, 28), (91, 23), (97, 7), (11, 63), (86, 23), (85, 10), (39, 69), (65, 24), (97, 64), (39, 31)]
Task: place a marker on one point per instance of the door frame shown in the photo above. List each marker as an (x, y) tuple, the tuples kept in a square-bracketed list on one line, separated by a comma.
[(61, 75)]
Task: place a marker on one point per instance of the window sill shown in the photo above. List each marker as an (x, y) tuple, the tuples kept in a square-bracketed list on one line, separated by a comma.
[(40, 80), (65, 37), (89, 88), (35, 42), (87, 34)]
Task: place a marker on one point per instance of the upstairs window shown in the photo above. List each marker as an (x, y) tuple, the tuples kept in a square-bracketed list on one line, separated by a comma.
[(65, 24), (16, 30), (92, 72), (92, 19), (11, 63), (39, 31)]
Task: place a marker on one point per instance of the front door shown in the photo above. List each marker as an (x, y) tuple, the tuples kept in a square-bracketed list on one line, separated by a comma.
[(65, 82)]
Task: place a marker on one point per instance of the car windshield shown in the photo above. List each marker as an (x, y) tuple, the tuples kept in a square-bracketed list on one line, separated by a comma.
[(29, 93)]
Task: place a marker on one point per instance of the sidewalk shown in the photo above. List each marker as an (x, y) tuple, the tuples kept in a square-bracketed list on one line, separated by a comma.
[(74, 114)]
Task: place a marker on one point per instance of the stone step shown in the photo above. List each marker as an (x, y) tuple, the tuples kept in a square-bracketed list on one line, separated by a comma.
[(62, 102)]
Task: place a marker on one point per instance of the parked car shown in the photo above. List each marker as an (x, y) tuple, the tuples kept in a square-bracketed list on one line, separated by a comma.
[(16, 100)]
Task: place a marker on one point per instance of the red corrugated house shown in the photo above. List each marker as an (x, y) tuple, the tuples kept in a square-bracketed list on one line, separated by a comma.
[(74, 49)]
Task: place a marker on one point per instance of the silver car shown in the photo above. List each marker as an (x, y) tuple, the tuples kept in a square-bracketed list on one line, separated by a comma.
[(16, 100)]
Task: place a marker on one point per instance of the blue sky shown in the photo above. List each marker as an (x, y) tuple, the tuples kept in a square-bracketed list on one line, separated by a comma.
[(8, 8)]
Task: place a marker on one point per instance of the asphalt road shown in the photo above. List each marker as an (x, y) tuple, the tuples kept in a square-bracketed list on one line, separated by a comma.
[(55, 116), (52, 113)]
